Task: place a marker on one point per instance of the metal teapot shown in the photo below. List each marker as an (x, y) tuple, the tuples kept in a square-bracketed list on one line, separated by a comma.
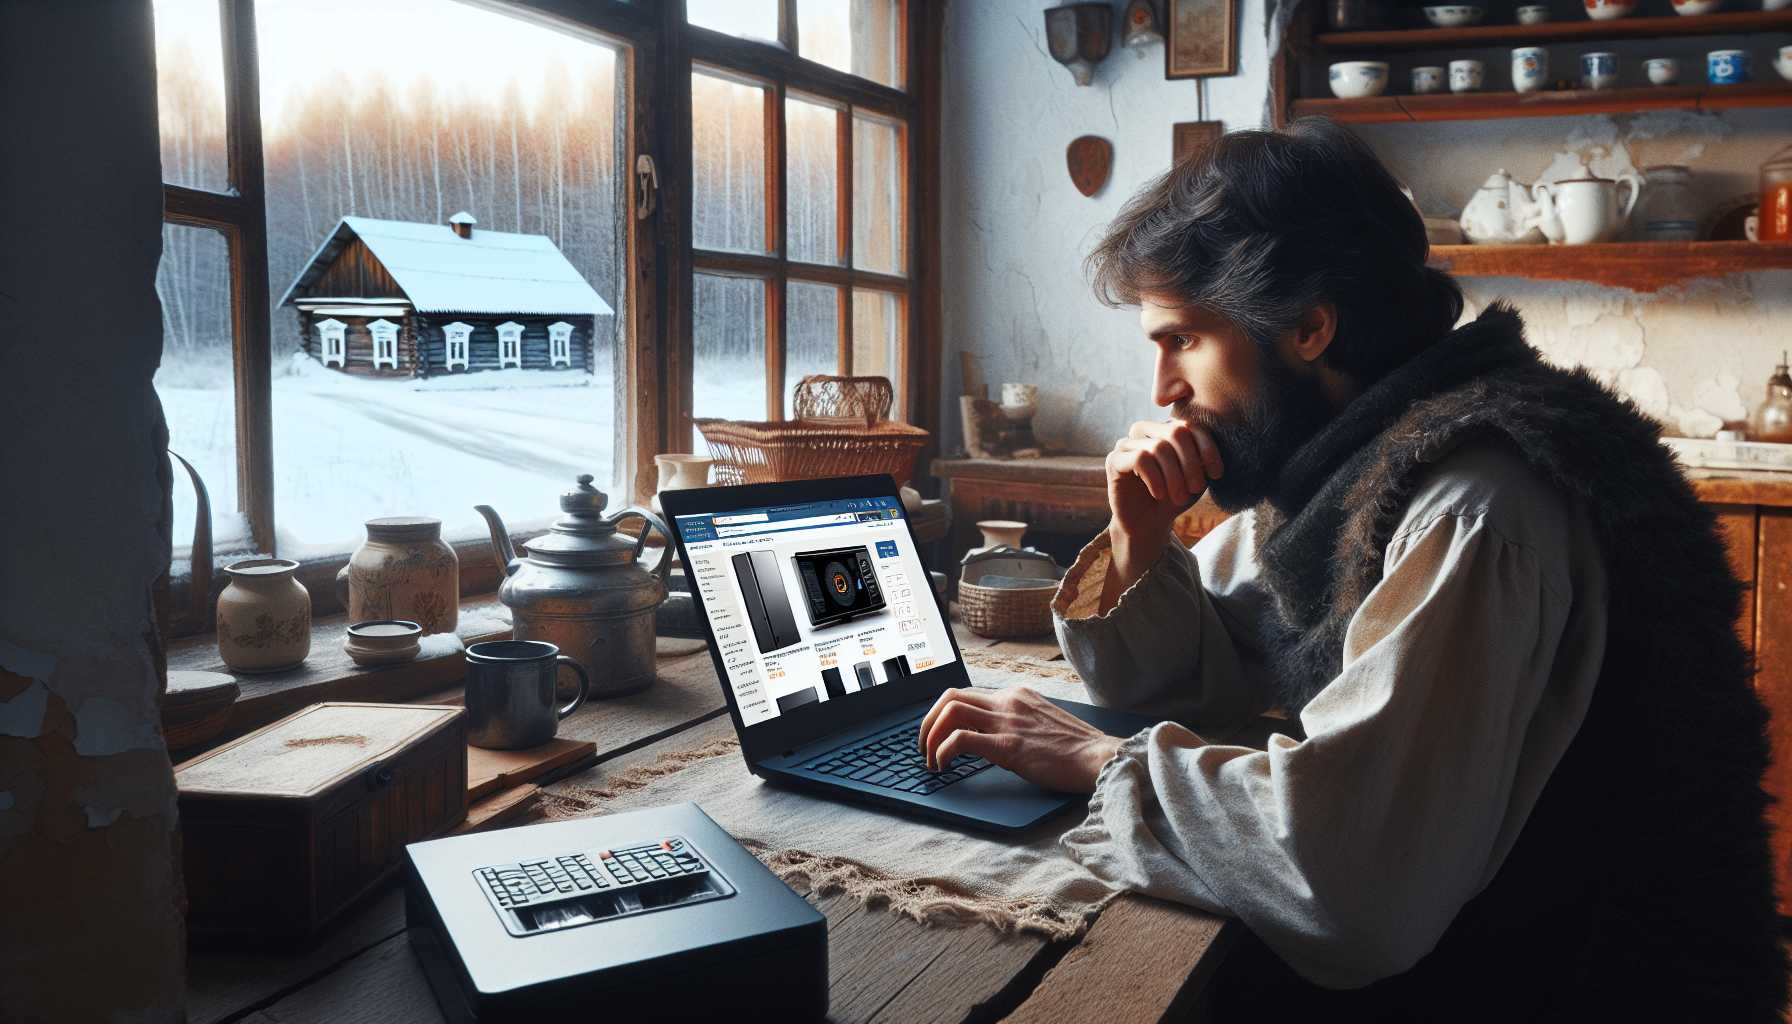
[(582, 588)]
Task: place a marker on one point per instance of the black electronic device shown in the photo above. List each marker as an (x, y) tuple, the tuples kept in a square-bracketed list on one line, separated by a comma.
[(797, 699), (836, 687), (762, 587), (839, 583), (863, 671), (862, 748), (623, 912), (895, 668)]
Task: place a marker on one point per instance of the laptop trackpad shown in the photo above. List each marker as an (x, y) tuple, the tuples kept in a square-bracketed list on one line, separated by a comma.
[(1003, 798)]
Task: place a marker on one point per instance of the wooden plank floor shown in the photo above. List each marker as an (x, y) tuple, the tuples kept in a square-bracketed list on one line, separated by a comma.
[(1135, 963)]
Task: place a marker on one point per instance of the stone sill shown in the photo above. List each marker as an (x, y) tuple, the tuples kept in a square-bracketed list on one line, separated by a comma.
[(329, 674)]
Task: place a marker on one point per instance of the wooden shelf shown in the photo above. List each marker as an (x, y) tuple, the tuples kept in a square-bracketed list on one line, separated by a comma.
[(1481, 106), (1639, 266), (1583, 31)]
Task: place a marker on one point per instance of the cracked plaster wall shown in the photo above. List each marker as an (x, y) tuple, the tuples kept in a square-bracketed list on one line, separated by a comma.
[(88, 875), (1016, 230)]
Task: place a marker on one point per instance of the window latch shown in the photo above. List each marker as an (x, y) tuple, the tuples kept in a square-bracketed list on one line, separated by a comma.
[(647, 186)]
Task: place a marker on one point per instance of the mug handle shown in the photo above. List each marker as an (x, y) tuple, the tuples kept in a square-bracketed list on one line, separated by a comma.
[(1636, 189), (584, 683)]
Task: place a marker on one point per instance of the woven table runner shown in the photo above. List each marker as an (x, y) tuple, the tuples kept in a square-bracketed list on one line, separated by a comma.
[(933, 873)]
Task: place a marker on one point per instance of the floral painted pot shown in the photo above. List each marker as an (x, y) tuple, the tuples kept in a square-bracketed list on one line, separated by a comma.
[(404, 570), (264, 616)]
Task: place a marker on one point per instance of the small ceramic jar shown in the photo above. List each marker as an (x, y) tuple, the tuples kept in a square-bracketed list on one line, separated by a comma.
[(264, 616), (1530, 68), (382, 642), (1466, 75), (1427, 80), (1662, 70), (404, 570), (1606, 10), (1533, 14), (1727, 67), (1598, 70)]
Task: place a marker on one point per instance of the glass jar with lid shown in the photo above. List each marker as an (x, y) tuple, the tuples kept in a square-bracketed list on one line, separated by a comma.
[(1773, 417), (1667, 212), (1776, 198)]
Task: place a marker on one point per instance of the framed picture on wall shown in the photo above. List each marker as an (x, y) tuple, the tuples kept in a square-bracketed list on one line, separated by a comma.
[(1188, 138), (1201, 38)]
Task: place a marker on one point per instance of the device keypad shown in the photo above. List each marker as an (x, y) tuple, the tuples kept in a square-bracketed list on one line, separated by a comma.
[(543, 880)]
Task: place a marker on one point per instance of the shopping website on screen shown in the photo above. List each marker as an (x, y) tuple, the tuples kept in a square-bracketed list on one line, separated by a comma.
[(813, 602)]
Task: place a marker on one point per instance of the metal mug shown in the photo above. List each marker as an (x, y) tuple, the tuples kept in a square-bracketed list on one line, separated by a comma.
[(510, 693)]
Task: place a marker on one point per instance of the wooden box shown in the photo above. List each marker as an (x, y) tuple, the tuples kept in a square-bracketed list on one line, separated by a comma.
[(287, 826)]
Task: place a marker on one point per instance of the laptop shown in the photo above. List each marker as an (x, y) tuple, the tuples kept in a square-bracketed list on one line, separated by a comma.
[(831, 646)]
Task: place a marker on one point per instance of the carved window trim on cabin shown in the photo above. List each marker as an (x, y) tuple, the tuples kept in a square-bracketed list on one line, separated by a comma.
[(510, 345), (559, 344), (455, 345), (332, 337), (385, 343)]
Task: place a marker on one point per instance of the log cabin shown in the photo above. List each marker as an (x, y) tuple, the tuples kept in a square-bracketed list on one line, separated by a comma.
[(397, 298)]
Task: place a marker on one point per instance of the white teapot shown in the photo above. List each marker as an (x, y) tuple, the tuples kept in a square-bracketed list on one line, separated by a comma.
[(1584, 209), (1501, 213)]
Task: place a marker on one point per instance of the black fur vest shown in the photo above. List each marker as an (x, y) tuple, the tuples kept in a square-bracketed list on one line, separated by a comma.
[(1641, 887)]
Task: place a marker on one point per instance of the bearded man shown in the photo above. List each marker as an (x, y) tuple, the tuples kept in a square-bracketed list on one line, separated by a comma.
[(1520, 774)]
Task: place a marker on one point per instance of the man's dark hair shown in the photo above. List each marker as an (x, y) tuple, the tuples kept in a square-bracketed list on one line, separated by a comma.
[(1268, 224)]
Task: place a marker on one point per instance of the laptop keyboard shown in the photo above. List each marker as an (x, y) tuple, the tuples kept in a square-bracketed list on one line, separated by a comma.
[(890, 759)]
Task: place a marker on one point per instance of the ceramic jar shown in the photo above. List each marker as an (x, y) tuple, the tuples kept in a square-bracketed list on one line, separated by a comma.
[(1598, 70), (679, 472), (1466, 75), (1427, 80), (1001, 532), (1530, 68), (264, 616), (404, 570), (1728, 67)]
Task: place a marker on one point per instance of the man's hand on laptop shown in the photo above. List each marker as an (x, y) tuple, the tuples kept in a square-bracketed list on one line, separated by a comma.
[(1019, 730)]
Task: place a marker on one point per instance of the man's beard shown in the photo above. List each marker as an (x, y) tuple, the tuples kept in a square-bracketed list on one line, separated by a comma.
[(1288, 410)]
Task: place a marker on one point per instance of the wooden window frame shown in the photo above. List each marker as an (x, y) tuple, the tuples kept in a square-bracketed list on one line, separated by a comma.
[(913, 109), (657, 50)]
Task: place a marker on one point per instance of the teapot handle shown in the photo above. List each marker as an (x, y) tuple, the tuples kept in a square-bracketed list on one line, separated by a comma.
[(1636, 189), (649, 519)]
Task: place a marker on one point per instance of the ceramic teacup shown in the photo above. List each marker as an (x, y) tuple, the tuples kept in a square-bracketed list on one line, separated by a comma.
[(1662, 70), (1606, 10), (1690, 7), (1466, 75), (1355, 79), (1598, 70), (1533, 14), (1530, 68), (1453, 15), (1783, 63), (1727, 67), (1427, 80)]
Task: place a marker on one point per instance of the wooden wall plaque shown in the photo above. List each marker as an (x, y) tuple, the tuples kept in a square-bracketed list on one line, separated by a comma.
[(1090, 158)]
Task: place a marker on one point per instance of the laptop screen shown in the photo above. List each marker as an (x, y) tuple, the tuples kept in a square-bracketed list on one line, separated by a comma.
[(813, 602)]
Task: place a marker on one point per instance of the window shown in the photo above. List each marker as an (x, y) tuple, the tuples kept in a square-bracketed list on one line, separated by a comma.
[(404, 274), (800, 206)]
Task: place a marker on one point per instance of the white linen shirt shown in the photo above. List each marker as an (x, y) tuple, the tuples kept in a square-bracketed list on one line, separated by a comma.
[(1465, 674)]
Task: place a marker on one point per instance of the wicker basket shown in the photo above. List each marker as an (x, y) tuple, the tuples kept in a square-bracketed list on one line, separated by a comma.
[(1002, 613), (751, 453), (844, 399)]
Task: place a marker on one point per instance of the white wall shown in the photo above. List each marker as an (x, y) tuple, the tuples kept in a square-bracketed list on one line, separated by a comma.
[(1015, 230)]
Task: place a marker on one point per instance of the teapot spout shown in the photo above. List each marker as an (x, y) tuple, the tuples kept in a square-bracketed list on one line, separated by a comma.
[(501, 547)]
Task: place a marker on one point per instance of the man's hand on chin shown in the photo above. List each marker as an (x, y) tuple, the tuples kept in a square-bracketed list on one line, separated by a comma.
[(1019, 730)]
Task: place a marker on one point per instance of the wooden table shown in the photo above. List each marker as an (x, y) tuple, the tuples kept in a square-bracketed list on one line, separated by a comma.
[(1140, 961)]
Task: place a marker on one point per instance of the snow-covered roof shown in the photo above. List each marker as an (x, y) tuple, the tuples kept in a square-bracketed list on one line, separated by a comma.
[(441, 272)]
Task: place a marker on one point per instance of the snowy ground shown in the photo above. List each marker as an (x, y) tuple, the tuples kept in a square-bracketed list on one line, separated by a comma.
[(347, 449)]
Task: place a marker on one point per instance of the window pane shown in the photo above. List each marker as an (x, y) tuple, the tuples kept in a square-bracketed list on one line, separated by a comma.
[(190, 94), (196, 380), (877, 196), (728, 164), (755, 19), (876, 339), (860, 37), (728, 349), (811, 169), (811, 332), (497, 380)]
